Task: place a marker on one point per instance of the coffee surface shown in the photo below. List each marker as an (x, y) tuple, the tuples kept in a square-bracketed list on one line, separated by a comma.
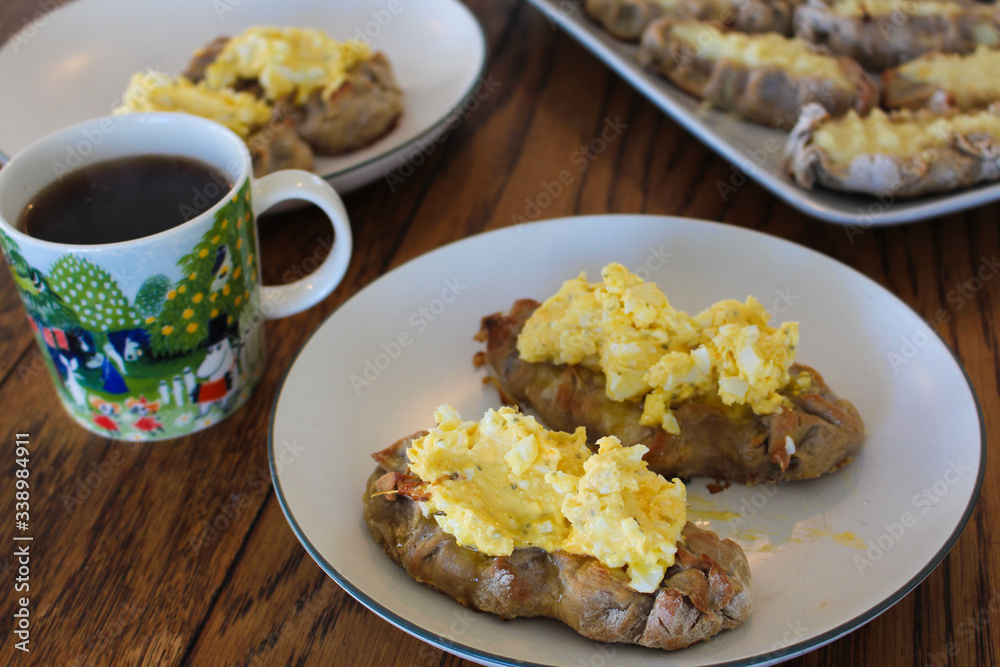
[(123, 199)]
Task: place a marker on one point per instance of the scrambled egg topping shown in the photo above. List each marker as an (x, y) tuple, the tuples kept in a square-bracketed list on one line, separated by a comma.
[(155, 91), (625, 515), (625, 328), (286, 61), (505, 482), (499, 483)]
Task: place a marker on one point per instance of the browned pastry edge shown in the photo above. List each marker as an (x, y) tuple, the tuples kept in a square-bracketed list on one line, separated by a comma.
[(627, 19), (707, 590), (278, 146), (768, 95), (366, 107), (715, 440), (900, 91), (362, 110), (879, 42), (956, 161)]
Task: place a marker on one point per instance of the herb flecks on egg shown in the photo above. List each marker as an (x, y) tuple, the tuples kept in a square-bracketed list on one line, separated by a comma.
[(624, 515), (506, 482), (648, 351)]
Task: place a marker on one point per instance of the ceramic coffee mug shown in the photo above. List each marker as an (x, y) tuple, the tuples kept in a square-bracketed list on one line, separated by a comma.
[(159, 336)]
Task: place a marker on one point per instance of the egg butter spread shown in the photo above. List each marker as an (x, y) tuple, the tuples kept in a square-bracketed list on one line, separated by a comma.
[(286, 61), (291, 62), (241, 112), (506, 482), (648, 351)]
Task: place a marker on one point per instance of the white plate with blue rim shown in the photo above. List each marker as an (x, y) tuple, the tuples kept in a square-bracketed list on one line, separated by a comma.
[(826, 555), (74, 62)]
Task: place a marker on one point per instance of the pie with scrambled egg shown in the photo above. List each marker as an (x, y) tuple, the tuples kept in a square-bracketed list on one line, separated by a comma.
[(898, 154), (509, 518), (716, 394), (288, 92), (880, 34), (340, 95), (765, 78), (944, 81)]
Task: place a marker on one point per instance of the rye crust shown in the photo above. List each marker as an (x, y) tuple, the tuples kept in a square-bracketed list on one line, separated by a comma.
[(715, 440), (707, 590)]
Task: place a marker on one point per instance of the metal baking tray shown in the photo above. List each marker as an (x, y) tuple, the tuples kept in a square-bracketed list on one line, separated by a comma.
[(756, 152)]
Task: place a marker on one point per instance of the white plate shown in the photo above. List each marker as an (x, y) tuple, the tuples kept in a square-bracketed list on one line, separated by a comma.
[(745, 145), (409, 335), (74, 63)]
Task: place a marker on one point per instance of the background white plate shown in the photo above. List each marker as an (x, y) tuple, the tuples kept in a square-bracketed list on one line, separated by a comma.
[(409, 335), (74, 63), (744, 144)]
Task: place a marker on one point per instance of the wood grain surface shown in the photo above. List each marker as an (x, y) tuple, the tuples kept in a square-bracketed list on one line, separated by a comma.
[(178, 553)]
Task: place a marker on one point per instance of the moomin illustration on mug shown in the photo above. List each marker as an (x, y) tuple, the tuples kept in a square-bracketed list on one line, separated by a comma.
[(176, 352)]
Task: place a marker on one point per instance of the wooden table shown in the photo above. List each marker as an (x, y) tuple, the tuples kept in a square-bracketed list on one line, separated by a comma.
[(178, 553)]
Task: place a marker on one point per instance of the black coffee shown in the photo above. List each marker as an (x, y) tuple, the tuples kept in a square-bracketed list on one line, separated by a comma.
[(123, 199)]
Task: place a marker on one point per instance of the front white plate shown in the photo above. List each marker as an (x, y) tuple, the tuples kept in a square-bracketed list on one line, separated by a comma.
[(826, 555), (753, 150), (73, 64)]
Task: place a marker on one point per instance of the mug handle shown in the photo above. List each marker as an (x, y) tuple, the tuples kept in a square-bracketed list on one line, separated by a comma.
[(284, 300)]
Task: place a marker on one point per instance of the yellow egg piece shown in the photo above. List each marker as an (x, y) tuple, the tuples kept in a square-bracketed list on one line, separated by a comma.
[(286, 61), (648, 351), (626, 516), (488, 479), (154, 91), (505, 482)]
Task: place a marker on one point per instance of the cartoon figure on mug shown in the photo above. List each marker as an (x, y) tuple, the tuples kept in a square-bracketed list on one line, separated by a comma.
[(143, 413), (107, 414), (215, 379)]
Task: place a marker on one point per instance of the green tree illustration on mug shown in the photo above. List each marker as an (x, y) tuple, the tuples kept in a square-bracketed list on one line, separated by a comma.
[(92, 294), (213, 282)]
